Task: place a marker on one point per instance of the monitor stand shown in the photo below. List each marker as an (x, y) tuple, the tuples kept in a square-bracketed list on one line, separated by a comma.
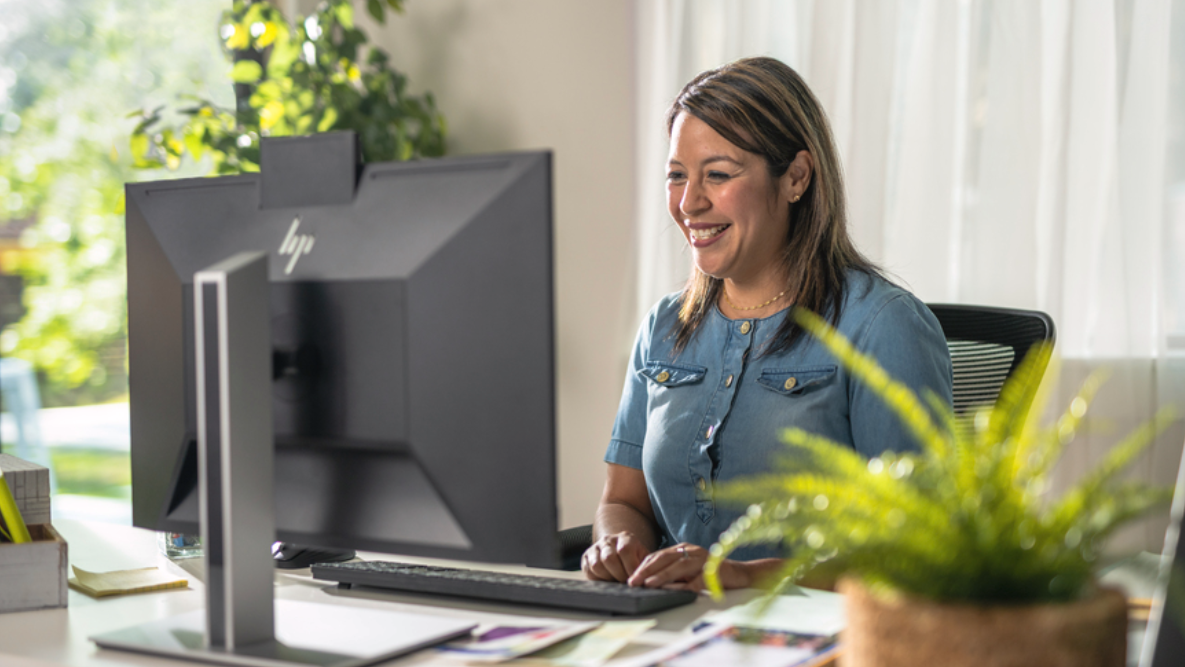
[(242, 624)]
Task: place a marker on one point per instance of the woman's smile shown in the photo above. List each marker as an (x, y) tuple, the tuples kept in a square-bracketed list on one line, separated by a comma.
[(704, 235)]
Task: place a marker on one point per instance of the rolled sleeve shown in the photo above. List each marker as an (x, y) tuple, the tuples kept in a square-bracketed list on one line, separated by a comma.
[(624, 454), (629, 428)]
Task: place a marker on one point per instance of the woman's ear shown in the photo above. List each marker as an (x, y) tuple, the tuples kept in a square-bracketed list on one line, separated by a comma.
[(798, 176)]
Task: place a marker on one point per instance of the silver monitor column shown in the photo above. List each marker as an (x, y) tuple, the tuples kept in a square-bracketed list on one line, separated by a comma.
[(235, 453)]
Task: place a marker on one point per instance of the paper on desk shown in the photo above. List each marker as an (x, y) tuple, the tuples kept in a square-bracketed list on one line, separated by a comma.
[(717, 645), (118, 582), (674, 649), (590, 649), (807, 611), (498, 643)]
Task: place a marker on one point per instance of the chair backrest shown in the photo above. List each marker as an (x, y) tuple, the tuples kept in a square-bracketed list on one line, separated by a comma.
[(986, 345)]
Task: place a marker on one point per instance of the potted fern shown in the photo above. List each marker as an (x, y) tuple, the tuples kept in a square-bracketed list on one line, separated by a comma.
[(951, 555)]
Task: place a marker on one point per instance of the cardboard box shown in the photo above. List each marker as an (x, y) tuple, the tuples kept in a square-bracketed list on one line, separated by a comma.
[(33, 575)]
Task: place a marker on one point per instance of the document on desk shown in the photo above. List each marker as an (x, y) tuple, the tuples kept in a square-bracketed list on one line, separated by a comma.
[(804, 611), (498, 643), (716, 645), (591, 649)]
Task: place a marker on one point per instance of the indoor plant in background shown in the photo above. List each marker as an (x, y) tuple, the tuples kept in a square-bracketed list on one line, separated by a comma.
[(314, 75), (952, 555)]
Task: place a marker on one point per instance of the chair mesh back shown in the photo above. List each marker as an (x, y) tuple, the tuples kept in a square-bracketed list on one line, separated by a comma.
[(979, 372), (986, 345)]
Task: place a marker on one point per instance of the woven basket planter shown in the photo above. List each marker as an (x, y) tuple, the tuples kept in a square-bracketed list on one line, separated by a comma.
[(903, 631)]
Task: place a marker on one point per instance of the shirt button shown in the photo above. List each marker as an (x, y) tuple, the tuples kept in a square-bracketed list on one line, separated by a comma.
[(791, 383), (663, 376), (728, 381), (701, 484), (710, 431), (745, 326)]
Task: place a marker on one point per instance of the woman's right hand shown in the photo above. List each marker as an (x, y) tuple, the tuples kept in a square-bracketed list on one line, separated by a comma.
[(613, 557)]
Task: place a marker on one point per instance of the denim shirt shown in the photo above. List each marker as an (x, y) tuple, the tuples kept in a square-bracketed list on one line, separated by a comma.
[(714, 412)]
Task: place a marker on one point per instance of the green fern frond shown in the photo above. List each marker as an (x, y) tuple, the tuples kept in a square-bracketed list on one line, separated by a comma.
[(845, 479), (1086, 494), (1032, 431), (1047, 447), (1011, 412), (1121, 504)]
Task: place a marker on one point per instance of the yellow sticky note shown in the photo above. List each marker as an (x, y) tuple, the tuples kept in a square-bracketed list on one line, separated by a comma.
[(119, 582)]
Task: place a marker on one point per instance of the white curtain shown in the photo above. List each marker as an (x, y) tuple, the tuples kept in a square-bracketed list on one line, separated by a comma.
[(997, 152)]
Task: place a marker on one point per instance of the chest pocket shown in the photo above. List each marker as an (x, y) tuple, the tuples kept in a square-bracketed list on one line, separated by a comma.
[(797, 381), (672, 375)]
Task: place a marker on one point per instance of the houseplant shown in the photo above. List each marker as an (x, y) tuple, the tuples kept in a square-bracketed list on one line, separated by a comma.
[(317, 74), (953, 554)]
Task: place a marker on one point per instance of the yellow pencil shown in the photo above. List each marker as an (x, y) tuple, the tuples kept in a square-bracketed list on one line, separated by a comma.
[(11, 514)]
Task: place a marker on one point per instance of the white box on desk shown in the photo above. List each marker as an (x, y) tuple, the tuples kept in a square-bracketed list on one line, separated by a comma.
[(33, 574), (29, 483)]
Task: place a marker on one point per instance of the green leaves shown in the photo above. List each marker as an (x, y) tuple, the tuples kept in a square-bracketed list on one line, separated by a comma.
[(965, 519), (317, 75), (377, 8), (246, 71)]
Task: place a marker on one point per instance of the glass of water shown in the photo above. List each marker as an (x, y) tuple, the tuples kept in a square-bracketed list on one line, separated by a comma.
[(180, 545)]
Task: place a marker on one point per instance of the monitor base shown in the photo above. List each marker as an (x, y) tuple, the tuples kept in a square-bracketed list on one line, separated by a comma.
[(307, 633)]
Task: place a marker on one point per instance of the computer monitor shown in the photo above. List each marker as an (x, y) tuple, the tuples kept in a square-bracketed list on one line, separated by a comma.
[(413, 360)]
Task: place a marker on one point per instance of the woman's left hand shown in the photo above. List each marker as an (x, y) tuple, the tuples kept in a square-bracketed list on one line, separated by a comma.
[(682, 567)]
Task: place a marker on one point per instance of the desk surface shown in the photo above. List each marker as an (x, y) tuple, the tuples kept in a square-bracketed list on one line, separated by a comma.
[(59, 636)]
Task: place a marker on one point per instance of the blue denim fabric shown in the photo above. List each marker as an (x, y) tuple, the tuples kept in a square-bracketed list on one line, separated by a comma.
[(715, 411)]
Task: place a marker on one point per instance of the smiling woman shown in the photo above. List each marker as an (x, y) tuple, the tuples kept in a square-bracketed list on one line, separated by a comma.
[(720, 368)]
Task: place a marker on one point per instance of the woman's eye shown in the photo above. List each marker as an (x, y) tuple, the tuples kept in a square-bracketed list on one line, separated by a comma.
[(718, 176), (675, 176)]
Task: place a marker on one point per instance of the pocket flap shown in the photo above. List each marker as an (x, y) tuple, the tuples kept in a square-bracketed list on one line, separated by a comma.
[(791, 381), (672, 375)]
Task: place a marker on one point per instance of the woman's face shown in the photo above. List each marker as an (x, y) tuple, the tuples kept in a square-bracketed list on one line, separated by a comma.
[(732, 213)]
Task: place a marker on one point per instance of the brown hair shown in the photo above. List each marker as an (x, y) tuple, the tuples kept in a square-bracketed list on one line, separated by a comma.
[(761, 105)]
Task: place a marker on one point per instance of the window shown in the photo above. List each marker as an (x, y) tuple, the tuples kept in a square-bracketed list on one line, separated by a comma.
[(70, 73)]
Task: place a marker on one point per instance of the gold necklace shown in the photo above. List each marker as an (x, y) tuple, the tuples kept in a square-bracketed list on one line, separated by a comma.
[(736, 307)]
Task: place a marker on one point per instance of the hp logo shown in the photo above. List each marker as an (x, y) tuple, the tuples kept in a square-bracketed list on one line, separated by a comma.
[(295, 245)]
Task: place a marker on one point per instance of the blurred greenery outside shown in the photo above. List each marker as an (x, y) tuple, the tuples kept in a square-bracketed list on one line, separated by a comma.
[(86, 471), (96, 93), (69, 75), (71, 72)]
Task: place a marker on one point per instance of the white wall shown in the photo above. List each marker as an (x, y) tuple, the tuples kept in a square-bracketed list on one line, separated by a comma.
[(558, 74)]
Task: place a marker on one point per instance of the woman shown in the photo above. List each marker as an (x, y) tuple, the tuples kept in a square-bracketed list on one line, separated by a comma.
[(719, 369)]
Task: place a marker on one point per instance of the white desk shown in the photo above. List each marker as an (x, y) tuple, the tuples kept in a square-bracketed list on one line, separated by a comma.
[(59, 636)]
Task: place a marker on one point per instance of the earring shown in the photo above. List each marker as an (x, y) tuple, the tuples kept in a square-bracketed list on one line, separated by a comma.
[(795, 198)]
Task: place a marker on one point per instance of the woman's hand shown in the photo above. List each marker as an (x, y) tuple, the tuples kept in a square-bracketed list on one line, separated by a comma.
[(613, 557), (682, 566)]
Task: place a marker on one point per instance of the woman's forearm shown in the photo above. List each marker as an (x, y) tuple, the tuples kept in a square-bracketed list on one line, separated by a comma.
[(753, 573), (616, 517)]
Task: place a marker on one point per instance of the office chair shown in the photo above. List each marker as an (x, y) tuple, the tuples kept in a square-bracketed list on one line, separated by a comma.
[(986, 345)]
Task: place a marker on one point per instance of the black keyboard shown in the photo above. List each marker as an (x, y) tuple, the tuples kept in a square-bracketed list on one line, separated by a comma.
[(602, 596)]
